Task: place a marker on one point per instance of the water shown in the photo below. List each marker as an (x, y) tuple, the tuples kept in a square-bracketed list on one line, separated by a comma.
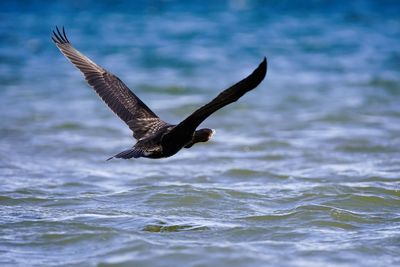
[(303, 171)]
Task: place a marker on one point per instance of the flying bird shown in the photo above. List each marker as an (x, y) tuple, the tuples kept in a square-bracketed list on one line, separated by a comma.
[(155, 137)]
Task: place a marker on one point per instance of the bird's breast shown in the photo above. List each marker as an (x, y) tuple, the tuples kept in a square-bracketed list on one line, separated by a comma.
[(173, 144)]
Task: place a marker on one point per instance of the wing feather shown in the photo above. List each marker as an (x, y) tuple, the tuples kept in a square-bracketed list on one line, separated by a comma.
[(119, 98), (226, 97)]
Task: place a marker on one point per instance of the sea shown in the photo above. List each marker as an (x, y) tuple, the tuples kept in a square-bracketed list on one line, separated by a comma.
[(303, 171)]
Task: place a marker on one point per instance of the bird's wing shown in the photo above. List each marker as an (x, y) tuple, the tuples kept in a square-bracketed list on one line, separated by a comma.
[(228, 96), (122, 101)]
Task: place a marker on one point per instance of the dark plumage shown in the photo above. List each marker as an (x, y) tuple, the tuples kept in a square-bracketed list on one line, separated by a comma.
[(155, 138)]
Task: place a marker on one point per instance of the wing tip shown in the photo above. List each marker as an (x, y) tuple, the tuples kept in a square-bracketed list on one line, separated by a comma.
[(264, 65), (260, 72), (59, 37)]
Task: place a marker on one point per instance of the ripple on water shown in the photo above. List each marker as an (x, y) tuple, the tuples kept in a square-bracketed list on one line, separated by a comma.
[(162, 226)]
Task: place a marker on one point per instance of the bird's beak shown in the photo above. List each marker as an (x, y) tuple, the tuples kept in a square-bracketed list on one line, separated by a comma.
[(212, 132)]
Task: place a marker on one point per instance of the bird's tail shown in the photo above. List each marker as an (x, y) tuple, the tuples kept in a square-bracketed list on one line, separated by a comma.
[(127, 154)]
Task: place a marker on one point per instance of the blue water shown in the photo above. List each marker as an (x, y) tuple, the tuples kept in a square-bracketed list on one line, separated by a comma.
[(303, 171)]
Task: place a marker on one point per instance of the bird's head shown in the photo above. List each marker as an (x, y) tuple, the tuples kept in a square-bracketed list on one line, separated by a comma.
[(203, 135)]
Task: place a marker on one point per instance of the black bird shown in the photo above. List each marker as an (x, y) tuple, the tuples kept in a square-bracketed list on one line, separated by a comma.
[(155, 137)]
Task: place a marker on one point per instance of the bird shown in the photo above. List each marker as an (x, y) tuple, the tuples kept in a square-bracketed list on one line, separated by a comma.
[(155, 137)]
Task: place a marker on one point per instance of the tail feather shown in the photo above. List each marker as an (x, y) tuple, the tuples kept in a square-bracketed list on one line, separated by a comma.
[(129, 153)]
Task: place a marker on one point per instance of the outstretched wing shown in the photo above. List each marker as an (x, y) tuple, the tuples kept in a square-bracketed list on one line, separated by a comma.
[(228, 96), (122, 101)]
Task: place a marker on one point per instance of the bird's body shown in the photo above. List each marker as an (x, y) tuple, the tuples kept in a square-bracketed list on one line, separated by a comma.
[(155, 138)]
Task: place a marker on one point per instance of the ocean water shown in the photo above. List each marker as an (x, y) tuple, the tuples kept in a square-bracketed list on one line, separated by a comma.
[(303, 171)]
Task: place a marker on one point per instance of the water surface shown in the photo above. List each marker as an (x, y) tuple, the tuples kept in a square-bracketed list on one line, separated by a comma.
[(303, 171)]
